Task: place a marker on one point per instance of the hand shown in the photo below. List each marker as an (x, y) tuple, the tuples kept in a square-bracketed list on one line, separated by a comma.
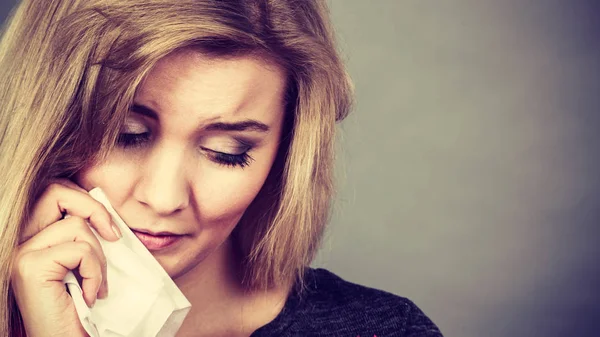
[(49, 247)]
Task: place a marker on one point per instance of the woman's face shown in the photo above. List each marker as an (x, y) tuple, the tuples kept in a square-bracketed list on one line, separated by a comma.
[(195, 150)]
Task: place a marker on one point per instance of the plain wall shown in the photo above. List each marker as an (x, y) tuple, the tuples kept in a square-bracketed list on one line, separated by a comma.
[(471, 162), (468, 170)]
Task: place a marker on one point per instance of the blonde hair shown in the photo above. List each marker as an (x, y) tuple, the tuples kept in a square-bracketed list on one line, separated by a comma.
[(70, 68)]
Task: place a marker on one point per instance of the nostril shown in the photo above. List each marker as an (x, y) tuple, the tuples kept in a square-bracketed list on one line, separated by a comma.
[(163, 184), (165, 203)]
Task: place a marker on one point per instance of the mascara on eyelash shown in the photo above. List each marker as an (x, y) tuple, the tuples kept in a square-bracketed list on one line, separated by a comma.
[(132, 140)]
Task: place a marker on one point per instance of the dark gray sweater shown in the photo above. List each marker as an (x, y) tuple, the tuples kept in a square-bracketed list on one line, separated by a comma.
[(332, 307)]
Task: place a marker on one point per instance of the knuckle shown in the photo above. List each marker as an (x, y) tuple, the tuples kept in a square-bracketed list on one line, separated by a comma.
[(53, 188), (25, 235), (23, 265), (79, 222), (50, 190), (85, 247), (63, 181)]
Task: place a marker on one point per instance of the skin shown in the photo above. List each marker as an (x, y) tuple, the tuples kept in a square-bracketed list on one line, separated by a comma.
[(170, 183), (173, 182)]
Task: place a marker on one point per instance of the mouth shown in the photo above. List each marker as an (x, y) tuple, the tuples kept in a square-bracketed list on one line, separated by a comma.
[(155, 241)]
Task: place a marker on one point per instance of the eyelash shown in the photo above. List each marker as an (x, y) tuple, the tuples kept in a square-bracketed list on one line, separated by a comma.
[(132, 140), (136, 140)]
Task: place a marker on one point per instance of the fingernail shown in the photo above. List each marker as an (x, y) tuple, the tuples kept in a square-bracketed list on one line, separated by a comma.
[(116, 230)]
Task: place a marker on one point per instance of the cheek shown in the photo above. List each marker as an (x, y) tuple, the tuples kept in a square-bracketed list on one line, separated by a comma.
[(224, 195), (219, 194), (111, 176)]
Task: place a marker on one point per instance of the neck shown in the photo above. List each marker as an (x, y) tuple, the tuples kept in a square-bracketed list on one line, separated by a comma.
[(214, 280), (220, 305)]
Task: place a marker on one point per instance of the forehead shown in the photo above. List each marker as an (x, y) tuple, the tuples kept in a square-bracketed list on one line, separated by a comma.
[(191, 83)]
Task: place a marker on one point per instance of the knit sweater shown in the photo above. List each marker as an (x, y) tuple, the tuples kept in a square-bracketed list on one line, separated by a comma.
[(333, 307)]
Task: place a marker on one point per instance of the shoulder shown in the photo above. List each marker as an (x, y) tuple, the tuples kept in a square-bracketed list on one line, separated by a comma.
[(333, 306)]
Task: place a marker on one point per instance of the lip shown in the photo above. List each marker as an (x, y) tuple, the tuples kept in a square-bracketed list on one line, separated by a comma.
[(156, 241), (149, 232)]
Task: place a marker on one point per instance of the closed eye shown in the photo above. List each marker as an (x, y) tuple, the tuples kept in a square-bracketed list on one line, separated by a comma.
[(138, 140), (133, 140), (227, 159)]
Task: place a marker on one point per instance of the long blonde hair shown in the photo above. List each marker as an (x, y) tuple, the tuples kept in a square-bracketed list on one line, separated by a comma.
[(69, 70)]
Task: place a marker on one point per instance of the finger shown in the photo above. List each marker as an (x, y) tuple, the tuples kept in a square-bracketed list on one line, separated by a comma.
[(58, 198), (55, 262), (71, 229)]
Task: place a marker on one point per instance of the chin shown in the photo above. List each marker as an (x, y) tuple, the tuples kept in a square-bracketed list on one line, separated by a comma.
[(180, 264)]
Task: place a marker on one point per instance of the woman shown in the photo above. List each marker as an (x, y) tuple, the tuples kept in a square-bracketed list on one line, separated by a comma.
[(209, 125)]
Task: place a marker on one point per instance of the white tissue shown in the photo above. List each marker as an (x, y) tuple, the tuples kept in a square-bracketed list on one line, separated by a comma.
[(142, 301)]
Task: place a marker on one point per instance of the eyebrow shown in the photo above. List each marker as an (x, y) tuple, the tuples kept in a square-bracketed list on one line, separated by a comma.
[(246, 125)]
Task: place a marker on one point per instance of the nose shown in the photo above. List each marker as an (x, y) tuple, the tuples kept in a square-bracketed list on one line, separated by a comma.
[(163, 185)]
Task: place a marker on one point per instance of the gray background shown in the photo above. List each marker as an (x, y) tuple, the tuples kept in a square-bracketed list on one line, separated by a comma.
[(468, 170)]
